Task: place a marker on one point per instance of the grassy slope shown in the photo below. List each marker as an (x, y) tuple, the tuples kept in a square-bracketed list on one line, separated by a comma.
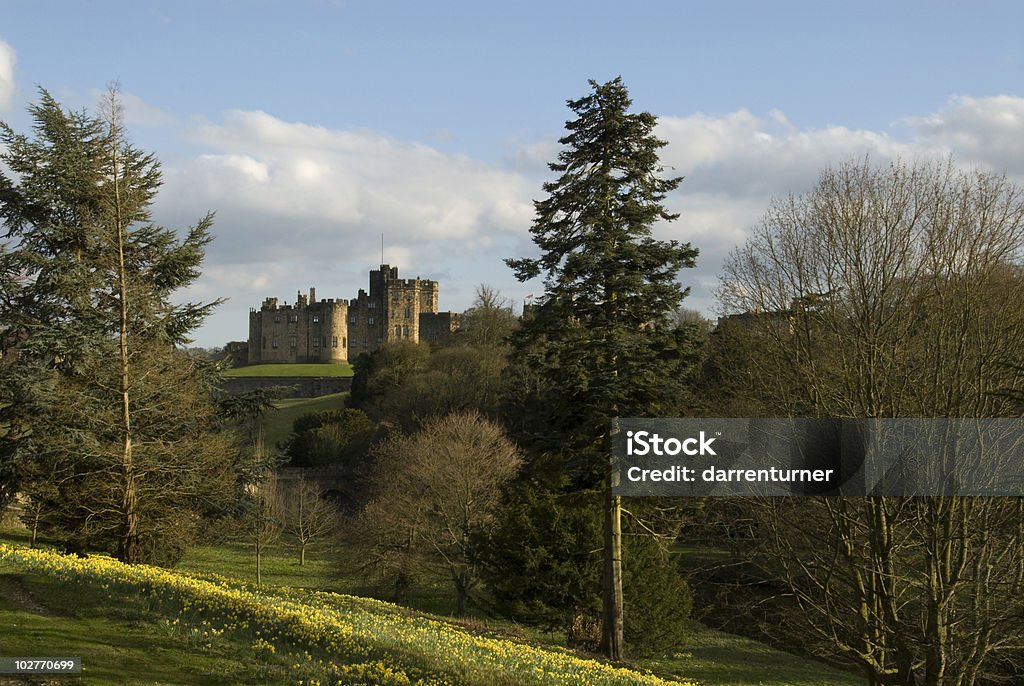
[(712, 657), (278, 423), (121, 637), (296, 635), (119, 643), (343, 369)]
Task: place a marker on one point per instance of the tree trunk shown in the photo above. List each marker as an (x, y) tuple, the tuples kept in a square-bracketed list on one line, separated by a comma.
[(612, 640), (461, 593), (130, 550)]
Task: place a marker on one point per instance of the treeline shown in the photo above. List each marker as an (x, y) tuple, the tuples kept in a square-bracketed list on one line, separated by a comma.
[(441, 488)]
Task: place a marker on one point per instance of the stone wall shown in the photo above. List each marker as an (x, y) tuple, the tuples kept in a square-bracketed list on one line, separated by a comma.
[(295, 386)]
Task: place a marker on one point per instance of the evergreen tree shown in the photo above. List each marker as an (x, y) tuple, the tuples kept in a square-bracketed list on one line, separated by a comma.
[(602, 337), (121, 423)]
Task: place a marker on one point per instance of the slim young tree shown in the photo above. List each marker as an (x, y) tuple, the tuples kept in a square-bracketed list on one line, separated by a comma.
[(309, 516), (117, 411), (601, 334)]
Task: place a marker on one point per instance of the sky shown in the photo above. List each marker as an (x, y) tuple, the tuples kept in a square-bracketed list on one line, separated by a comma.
[(313, 128)]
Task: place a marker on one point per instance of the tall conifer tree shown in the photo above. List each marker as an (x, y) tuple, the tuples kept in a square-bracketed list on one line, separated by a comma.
[(601, 335), (120, 421)]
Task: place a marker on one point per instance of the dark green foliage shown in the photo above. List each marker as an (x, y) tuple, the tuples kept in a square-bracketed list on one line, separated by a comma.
[(407, 384), (603, 342), (541, 559), (541, 562), (123, 449), (74, 479), (381, 370), (331, 437), (338, 440), (658, 599), (15, 433), (452, 380), (602, 338)]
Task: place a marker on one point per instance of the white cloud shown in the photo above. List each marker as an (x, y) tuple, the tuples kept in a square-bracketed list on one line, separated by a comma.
[(986, 131), (736, 162), (138, 112), (7, 62), (339, 190), (301, 205), (743, 155)]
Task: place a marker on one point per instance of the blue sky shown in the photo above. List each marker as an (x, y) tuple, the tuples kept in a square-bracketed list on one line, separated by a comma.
[(311, 128)]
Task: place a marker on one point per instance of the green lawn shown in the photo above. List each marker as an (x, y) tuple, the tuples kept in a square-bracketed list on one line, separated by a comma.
[(712, 657), (122, 642), (278, 422), (279, 568), (343, 369), (138, 624), (120, 639)]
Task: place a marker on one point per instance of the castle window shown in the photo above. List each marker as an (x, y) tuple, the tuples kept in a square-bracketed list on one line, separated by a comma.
[(277, 319), (408, 312), (316, 319), (398, 331), (273, 342), (369, 320), (405, 330), (293, 318), (291, 341), (316, 342), (372, 304), (334, 341), (344, 342), (353, 319), (394, 296)]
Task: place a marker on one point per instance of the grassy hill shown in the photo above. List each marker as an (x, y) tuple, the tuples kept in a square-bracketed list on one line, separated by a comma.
[(344, 369), (277, 423), (206, 625), (141, 624)]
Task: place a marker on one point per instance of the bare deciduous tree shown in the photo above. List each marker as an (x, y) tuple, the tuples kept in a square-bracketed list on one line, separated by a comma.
[(308, 516), (893, 292), (264, 517), (435, 488)]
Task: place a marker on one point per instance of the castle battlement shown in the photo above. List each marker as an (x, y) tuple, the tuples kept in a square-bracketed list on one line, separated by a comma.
[(329, 330)]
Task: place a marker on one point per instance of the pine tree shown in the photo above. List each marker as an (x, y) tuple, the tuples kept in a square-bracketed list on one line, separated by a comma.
[(121, 422), (601, 336)]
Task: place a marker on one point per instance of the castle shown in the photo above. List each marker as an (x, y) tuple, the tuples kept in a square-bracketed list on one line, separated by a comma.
[(326, 330)]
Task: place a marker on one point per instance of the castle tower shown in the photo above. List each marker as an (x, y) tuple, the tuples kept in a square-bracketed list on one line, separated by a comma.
[(309, 331)]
